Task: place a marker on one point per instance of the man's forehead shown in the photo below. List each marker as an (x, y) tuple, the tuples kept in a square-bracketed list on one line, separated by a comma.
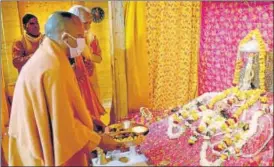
[(76, 27), (76, 20), (33, 20)]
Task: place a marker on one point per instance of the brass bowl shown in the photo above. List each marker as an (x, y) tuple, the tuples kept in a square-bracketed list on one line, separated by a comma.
[(140, 129), (134, 127)]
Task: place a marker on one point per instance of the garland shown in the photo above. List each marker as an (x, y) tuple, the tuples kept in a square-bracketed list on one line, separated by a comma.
[(265, 143), (231, 144), (236, 133), (262, 55), (252, 97), (171, 126)]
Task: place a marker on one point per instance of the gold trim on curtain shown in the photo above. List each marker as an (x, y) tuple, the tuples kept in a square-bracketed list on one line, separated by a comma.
[(136, 55), (173, 30)]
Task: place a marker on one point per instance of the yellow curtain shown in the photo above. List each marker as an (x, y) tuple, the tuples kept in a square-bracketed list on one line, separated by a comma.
[(136, 55), (173, 44), (5, 109)]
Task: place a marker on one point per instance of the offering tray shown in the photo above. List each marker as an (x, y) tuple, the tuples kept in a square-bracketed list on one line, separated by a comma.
[(131, 135), (133, 127)]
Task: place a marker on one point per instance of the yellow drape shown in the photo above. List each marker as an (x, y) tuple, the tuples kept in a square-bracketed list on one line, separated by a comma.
[(173, 43), (5, 108), (136, 54)]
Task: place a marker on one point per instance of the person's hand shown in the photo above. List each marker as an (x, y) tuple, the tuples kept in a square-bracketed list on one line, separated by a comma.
[(95, 47), (99, 123), (107, 143), (97, 52)]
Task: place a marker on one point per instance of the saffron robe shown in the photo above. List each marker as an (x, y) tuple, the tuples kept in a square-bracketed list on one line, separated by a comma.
[(87, 90), (23, 49), (49, 123), (89, 94), (93, 47)]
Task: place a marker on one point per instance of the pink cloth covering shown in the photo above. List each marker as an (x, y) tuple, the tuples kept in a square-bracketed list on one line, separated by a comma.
[(224, 24), (161, 150)]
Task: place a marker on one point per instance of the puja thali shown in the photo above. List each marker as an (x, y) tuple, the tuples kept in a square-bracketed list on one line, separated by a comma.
[(134, 134)]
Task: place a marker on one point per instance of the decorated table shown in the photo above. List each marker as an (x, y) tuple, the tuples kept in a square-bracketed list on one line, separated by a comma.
[(229, 128), (160, 149)]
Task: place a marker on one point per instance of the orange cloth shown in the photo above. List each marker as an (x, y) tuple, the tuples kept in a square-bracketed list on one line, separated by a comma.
[(93, 53), (3, 160), (23, 49), (92, 102), (49, 123)]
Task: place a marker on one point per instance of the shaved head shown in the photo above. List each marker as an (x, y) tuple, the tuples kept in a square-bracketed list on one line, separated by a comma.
[(60, 23)]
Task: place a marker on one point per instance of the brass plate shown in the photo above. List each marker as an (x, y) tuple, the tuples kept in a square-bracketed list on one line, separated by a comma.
[(124, 137), (116, 128), (128, 136)]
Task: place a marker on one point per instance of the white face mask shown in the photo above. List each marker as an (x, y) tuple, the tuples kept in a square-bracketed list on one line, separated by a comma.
[(81, 44)]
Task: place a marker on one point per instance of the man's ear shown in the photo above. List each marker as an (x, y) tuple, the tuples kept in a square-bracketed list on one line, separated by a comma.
[(64, 37)]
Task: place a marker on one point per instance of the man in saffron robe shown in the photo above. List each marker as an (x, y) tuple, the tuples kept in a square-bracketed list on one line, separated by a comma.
[(50, 123), (24, 48), (93, 51), (84, 68)]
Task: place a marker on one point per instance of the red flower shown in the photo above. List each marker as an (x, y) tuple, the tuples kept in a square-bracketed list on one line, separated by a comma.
[(175, 122), (263, 94), (253, 163), (229, 102), (217, 148), (235, 119), (270, 162)]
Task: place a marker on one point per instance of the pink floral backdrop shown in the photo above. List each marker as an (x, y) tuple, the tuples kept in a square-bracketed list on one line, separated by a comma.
[(223, 26)]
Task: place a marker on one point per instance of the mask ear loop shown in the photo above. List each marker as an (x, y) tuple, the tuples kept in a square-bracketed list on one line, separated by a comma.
[(65, 33), (71, 36)]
